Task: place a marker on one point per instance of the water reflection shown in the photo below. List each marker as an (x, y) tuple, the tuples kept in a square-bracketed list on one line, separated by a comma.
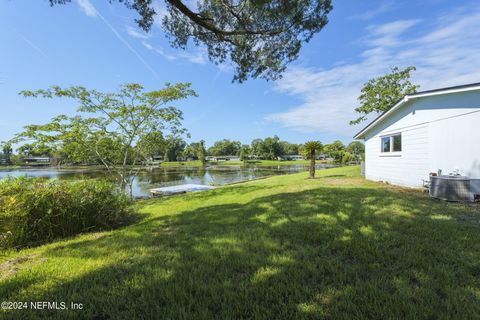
[(163, 176)]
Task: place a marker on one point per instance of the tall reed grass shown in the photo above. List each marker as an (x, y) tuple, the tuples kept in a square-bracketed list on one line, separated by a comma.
[(35, 211)]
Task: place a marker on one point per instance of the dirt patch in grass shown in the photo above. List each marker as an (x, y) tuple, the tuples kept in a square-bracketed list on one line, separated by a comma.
[(340, 181), (12, 266)]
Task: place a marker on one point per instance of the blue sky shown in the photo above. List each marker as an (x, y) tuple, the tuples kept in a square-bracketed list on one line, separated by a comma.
[(97, 45)]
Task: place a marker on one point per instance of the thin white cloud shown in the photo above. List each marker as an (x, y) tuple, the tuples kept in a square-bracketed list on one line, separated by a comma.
[(132, 32), (193, 56), (198, 57), (370, 14), (445, 55), (87, 7), (91, 11), (389, 34), (158, 50), (28, 41)]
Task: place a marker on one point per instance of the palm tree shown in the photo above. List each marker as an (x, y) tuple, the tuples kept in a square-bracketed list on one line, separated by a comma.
[(311, 148)]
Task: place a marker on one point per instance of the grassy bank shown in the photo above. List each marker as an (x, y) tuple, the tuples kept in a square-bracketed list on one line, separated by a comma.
[(285, 247)]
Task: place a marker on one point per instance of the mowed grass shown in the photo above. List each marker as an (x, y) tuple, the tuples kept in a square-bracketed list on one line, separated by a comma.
[(286, 247)]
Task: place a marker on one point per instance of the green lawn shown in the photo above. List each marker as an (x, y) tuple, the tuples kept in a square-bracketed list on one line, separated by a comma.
[(285, 247)]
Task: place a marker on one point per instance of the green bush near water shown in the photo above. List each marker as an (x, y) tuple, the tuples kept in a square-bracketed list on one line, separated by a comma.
[(35, 211)]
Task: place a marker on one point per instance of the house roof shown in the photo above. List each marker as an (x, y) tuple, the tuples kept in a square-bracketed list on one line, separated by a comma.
[(406, 98)]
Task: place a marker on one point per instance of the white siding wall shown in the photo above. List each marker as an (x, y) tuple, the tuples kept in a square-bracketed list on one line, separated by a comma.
[(407, 168), (456, 145), (438, 132)]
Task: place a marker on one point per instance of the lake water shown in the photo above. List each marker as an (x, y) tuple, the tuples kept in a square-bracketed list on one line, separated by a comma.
[(162, 177)]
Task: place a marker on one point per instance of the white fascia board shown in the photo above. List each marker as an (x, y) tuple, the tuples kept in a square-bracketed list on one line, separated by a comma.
[(429, 94), (371, 125), (405, 99)]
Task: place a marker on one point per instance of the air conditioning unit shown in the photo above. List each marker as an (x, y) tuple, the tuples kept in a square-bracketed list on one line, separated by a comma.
[(451, 188)]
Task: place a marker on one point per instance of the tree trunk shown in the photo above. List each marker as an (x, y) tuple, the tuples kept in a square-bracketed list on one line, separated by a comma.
[(130, 188), (312, 164)]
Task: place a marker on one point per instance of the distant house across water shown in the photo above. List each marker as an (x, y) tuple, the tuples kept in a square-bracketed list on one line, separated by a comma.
[(3, 160), (37, 160), (290, 157), (297, 157), (222, 158), (157, 158)]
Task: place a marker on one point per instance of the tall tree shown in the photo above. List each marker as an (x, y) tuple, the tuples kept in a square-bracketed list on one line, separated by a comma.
[(174, 148), (151, 145), (380, 94), (115, 122), (7, 152), (245, 152), (335, 150), (268, 148), (190, 151), (201, 151), (272, 148), (257, 148), (356, 149), (288, 148), (311, 148), (26, 149), (259, 37), (225, 147)]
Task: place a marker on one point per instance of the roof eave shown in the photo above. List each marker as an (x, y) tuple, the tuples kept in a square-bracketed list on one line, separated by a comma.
[(361, 134)]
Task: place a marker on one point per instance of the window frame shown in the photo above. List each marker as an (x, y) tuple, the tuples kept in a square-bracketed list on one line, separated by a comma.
[(389, 141), (391, 150)]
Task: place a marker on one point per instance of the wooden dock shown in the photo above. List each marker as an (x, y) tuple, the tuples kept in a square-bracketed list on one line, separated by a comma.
[(184, 188)]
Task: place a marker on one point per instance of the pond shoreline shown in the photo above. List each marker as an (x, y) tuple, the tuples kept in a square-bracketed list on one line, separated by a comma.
[(195, 163), (146, 178)]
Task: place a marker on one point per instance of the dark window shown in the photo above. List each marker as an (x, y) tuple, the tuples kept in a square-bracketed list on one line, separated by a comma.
[(385, 144), (392, 143), (397, 142)]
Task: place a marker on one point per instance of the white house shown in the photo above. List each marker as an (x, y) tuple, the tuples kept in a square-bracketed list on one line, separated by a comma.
[(222, 158), (294, 157), (425, 132)]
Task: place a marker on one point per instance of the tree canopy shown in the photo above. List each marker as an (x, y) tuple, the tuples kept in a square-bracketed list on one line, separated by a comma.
[(6, 149), (268, 148), (260, 38), (356, 149), (381, 93), (335, 150), (225, 147)]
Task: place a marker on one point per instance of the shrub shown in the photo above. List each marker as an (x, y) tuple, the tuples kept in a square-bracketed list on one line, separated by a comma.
[(34, 211), (347, 157)]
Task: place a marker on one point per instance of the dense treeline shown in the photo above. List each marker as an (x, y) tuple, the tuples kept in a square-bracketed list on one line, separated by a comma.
[(155, 146)]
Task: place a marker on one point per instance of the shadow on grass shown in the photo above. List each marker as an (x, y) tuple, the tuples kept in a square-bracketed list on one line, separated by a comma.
[(337, 253), (334, 176)]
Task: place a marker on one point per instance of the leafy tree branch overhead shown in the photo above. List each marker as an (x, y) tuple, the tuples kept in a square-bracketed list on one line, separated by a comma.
[(381, 93), (259, 37)]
